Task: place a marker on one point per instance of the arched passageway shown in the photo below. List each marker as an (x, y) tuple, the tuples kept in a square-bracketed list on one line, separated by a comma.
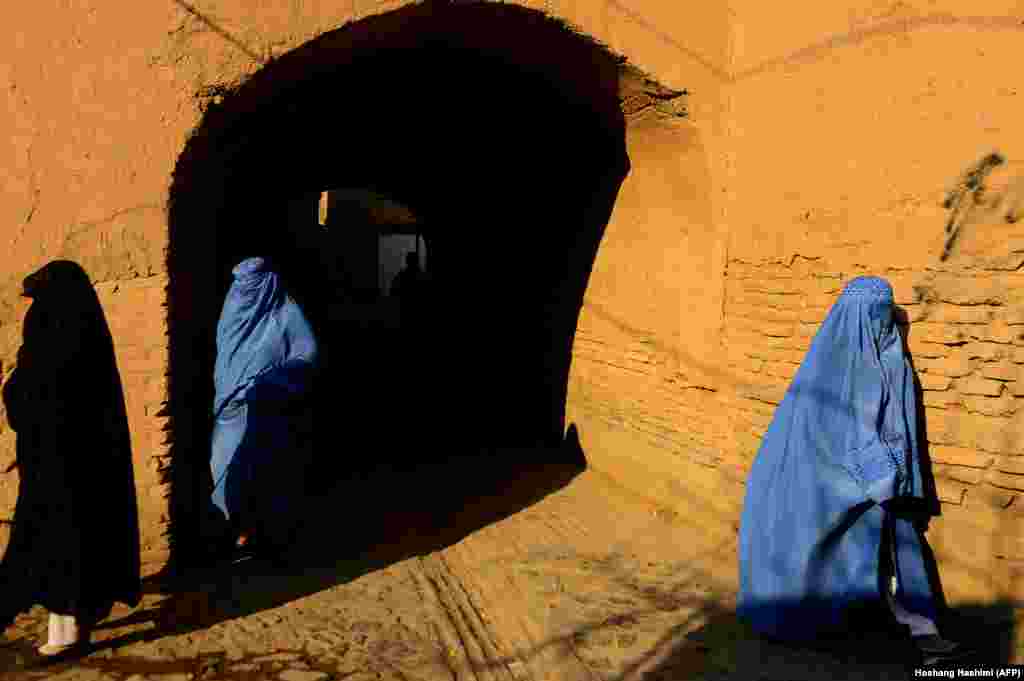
[(499, 127)]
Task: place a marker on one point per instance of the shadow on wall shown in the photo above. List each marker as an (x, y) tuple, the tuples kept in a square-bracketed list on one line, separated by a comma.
[(76, 536), (923, 446), (514, 155)]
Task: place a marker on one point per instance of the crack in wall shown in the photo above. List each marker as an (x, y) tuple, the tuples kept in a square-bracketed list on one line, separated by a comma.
[(216, 28), (966, 194)]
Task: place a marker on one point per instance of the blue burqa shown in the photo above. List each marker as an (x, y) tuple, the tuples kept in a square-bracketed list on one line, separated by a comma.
[(842, 443), (266, 356)]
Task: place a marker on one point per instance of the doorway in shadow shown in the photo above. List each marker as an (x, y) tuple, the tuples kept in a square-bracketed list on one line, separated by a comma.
[(502, 131)]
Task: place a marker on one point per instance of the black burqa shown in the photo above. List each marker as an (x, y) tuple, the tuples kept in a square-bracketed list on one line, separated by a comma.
[(74, 546)]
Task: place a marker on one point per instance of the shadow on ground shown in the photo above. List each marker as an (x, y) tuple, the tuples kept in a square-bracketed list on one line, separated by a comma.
[(622, 614), (725, 648), (350, 533)]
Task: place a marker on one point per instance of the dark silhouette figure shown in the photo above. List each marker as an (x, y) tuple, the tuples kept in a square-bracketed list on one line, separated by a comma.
[(408, 284), (74, 547)]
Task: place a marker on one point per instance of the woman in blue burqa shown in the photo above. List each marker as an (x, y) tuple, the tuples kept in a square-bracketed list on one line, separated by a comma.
[(834, 496), (266, 362)]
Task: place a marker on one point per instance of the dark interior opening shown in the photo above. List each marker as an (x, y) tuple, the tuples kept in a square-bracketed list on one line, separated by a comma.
[(502, 131)]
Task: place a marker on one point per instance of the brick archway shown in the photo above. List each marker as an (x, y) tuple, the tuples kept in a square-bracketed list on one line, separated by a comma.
[(508, 118)]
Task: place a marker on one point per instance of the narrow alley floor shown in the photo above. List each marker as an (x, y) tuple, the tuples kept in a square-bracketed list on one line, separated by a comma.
[(590, 582)]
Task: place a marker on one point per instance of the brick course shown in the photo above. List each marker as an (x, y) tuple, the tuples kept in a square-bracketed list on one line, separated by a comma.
[(965, 344)]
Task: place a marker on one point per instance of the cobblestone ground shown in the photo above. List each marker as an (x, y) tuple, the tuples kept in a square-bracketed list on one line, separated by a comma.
[(588, 583)]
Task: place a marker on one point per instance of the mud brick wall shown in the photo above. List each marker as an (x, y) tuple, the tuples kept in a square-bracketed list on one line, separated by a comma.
[(101, 100), (134, 310), (850, 128), (643, 389), (812, 150)]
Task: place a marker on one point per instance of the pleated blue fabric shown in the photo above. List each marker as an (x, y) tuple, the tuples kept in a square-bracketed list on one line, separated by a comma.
[(842, 442), (266, 360)]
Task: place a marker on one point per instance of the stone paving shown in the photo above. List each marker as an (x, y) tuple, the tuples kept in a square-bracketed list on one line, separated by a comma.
[(588, 583)]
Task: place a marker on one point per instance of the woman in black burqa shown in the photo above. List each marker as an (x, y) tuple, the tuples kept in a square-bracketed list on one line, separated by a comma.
[(74, 546)]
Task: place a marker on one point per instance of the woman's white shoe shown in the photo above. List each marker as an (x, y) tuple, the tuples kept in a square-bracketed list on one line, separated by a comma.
[(62, 635)]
